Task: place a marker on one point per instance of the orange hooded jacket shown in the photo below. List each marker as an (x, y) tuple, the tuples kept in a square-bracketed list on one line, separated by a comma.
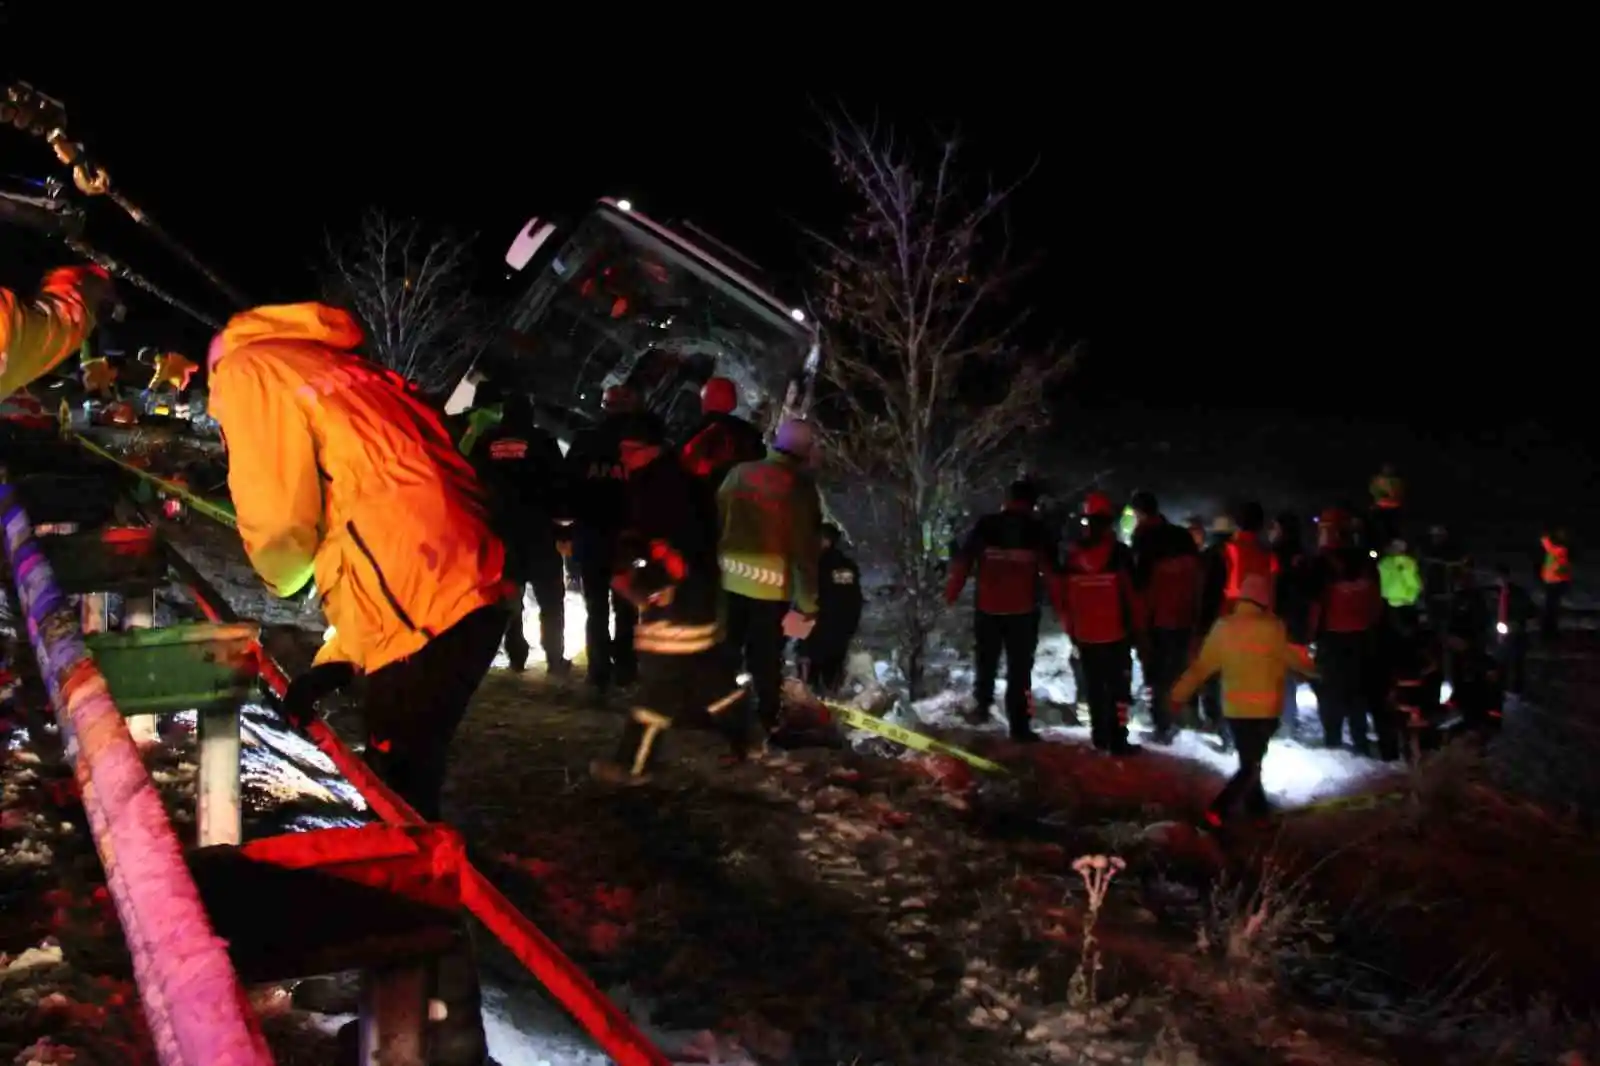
[(340, 473), (35, 339)]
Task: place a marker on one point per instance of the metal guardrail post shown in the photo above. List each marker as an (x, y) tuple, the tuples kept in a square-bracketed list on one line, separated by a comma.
[(191, 995)]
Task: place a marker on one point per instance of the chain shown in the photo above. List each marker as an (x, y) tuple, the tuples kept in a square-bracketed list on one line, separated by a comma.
[(46, 118)]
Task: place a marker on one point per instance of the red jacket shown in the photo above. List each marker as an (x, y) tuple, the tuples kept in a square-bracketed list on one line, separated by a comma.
[(1166, 574), (1099, 603), (1246, 555), (1348, 600), (1011, 551)]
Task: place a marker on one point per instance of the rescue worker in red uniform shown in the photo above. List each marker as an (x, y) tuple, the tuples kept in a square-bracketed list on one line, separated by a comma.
[(666, 565), (1344, 622), (1014, 558), (722, 440), (1166, 576), (1246, 554), (1556, 575), (1101, 614)]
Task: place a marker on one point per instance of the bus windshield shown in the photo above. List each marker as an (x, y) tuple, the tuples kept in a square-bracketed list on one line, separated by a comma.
[(618, 303)]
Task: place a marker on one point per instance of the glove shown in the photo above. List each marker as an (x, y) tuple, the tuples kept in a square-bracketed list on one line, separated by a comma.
[(300, 705), (798, 625)]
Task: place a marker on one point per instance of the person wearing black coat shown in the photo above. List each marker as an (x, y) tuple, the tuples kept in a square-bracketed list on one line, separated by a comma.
[(839, 604), (521, 467)]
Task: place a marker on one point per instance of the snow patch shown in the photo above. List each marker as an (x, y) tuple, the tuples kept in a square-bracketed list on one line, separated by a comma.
[(1293, 774), (574, 629)]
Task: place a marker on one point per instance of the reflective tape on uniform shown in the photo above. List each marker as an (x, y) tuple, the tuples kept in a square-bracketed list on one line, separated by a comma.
[(761, 575), (665, 638)]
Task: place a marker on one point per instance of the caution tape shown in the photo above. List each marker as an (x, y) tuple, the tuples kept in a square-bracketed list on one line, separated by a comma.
[(909, 737), (214, 511)]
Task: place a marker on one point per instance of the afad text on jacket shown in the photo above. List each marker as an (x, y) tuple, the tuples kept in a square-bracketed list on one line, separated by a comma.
[(1166, 573), (1098, 600), (1015, 559)]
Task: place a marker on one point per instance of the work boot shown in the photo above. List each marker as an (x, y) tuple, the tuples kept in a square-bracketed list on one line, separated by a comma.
[(1119, 749), (559, 668), (977, 714)]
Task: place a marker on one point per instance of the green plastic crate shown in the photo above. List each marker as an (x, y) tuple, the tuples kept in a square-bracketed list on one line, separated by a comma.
[(196, 666)]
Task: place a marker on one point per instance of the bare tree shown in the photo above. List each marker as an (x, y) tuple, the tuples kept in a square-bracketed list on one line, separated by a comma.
[(930, 394), (411, 288)]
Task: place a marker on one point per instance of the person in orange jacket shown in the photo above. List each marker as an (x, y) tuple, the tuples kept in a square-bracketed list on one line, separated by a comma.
[(1103, 617), (37, 337), (1555, 573), (340, 474)]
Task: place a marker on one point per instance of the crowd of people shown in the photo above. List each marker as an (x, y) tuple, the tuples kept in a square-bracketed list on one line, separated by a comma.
[(700, 560), (1221, 617)]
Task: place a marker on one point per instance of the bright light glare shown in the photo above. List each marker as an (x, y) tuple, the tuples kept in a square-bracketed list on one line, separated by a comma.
[(624, 205), (1502, 628), (574, 627), (1446, 690), (1373, 554), (797, 314)]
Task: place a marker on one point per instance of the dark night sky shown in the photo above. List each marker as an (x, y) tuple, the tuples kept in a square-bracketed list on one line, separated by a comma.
[(1382, 249)]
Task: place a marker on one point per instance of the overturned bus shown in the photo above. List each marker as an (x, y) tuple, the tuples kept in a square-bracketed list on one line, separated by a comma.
[(618, 298)]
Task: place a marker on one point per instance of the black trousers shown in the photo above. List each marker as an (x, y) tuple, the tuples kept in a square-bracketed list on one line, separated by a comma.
[(1169, 655), (1550, 623), (1344, 694), (1106, 670), (611, 656), (754, 641), (681, 691), (824, 653), (544, 574), (1250, 737), (413, 706), (1017, 637)]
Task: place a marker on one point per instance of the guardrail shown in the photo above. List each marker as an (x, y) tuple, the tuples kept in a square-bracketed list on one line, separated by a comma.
[(192, 997)]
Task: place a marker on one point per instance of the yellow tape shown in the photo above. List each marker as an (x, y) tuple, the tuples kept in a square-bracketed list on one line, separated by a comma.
[(199, 503), (910, 738)]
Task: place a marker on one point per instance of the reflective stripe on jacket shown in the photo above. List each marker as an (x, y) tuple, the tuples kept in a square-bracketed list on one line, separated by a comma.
[(339, 472), (1246, 555), (1250, 648), (770, 518)]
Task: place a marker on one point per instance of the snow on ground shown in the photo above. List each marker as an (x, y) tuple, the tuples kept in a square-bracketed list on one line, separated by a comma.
[(573, 622), (1297, 771)]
